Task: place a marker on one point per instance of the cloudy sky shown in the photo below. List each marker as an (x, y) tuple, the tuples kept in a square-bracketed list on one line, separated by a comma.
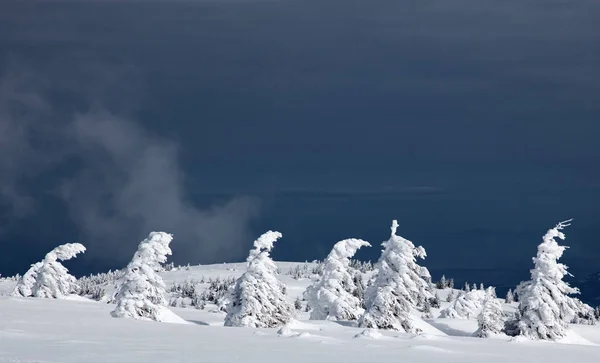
[(474, 123)]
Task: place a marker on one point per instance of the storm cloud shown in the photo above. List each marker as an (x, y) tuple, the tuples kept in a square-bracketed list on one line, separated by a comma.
[(117, 180), (472, 122)]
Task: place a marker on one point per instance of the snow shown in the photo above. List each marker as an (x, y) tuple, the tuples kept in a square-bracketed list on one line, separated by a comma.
[(78, 329)]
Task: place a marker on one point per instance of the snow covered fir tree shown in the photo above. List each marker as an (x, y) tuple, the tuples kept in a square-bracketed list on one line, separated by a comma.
[(333, 296), (259, 299), (544, 305), (49, 278), (140, 292), (490, 321), (397, 288)]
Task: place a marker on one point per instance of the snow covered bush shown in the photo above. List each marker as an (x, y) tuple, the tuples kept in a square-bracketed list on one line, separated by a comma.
[(332, 297), (584, 314), (52, 279), (491, 319), (258, 299), (140, 292), (466, 306), (545, 309), (95, 286), (397, 286)]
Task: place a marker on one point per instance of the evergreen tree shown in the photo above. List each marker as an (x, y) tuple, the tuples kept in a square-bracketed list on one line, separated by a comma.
[(140, 292), (490, 320), (298, 304), (450, 296), (442, 284), (434, 302), (544, 306), (427, 310), (451, 283), (510, 297), (258, 299), (332, 297), (481, 287), (467, 288), (53, 280), (396, 287), (359, 292)]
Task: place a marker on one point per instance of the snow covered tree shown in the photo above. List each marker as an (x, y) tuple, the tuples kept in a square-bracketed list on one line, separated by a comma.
[(427, 310), (396, 287), (467, 287), (359, 292), (52, 280), (140, 292), (332, 296), (258, 299), (25, 284), (450, 296), (451, 283), (490, 320), (442, 284), (510, 297), (481, 287), (435, 302), (544, 306)]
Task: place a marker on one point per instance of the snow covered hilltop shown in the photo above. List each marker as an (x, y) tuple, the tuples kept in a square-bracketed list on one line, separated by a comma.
[(338, 310)]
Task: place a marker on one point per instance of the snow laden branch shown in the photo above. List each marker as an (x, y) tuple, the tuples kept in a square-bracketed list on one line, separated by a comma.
[(49, 278), (397, 288), (544, 305), (258, 299), (333, 296), (140, 291)]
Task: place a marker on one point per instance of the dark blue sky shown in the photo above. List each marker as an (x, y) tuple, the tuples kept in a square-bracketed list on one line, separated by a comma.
[(474, 123)]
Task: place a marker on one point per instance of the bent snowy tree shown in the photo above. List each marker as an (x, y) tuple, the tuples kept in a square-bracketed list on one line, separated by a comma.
[(140, 291), (544, 306), (397, 286), (332, 297), (258, 298), (52, 279)]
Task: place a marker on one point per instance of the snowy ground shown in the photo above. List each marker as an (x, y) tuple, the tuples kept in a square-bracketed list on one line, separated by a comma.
[(81, 330)]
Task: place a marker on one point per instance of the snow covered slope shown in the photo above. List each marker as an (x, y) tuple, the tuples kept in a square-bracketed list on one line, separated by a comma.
[(81, 330)]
